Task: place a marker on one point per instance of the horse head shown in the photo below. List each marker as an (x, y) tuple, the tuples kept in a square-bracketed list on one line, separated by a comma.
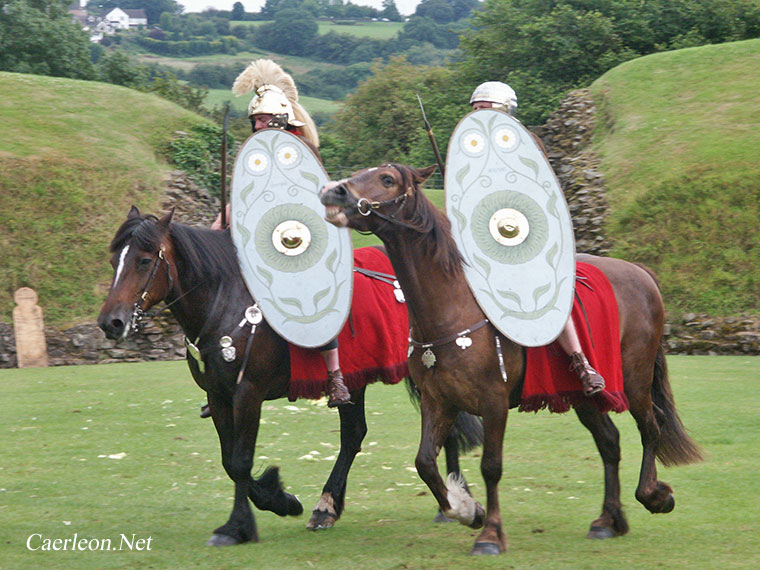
[(144, 272), (383, 192)]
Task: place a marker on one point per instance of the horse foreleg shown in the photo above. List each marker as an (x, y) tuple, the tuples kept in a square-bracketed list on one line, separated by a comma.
[(353, 428), (451, 450), (612, 521), (454, 501), (241, 525), (492, 539)]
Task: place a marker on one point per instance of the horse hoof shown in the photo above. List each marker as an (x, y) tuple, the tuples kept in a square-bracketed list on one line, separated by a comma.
[(441, 518), (670, 504), (480, 517), (221, 540), (601, 532), (321, 520), (485, 548), (295, 508)]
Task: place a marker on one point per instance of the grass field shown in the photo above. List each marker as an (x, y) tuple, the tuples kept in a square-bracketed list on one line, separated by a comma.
[(291, 63), (217, 98), (106, 450), (373, 30)]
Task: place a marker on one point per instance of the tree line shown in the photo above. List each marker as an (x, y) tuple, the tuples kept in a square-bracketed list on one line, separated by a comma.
[(542, 48)]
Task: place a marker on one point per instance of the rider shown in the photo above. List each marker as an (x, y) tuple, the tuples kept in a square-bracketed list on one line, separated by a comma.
[(498, 95), (275, 106)]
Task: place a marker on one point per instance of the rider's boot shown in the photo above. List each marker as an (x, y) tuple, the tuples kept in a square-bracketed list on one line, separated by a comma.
[(337, 393), (591, 380)]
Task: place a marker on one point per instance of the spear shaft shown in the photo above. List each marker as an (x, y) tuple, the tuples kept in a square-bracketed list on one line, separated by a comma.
[(431, 136), (226, 124)]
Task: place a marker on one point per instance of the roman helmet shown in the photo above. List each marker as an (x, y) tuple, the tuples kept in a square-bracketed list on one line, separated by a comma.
[(500, 94), (275, 94)]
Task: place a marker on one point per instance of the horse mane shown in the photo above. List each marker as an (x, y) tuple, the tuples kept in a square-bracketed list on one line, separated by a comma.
[(204, 255), (433, 226)]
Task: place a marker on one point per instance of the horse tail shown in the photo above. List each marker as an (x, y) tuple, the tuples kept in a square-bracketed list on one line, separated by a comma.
[(675, 447), (467, 430)]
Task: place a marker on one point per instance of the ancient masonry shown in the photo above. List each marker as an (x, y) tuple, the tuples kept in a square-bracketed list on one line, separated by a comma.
[(567, 136)]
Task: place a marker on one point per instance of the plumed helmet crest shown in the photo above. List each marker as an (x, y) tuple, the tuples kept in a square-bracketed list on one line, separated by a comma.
[(275, 93)]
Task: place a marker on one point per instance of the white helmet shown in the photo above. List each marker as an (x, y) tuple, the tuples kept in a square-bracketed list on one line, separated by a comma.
[(270, 99), (500, 94)]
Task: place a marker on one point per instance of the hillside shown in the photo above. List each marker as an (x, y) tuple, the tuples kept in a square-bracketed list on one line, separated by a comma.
[(74, 156), (677, 134), (680, 146)]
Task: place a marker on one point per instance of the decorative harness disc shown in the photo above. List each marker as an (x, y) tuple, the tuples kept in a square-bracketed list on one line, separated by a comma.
[(512, 225), (297, 266)]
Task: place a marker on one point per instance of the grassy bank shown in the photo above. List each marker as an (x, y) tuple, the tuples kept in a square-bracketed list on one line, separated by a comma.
[(680, 145), (74, 156), (119, 449)]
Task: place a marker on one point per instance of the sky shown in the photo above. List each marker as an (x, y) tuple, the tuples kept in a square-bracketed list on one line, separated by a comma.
[(405, 7)]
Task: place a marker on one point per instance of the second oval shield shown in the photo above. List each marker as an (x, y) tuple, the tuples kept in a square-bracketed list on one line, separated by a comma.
[(511, 223)]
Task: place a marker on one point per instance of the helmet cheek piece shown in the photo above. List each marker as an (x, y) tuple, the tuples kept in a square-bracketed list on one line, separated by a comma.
[(278, 122)]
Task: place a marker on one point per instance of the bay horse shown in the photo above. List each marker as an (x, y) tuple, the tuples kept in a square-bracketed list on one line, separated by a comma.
[(196, 272), (387, 201)]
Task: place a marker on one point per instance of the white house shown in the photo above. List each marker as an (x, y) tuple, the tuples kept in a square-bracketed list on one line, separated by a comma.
[(137, 18), (125, 19)]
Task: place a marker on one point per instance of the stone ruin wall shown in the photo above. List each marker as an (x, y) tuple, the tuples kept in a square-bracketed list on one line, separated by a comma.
[(567, 136)]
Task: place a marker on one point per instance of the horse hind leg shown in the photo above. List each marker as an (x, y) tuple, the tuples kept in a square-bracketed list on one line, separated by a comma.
[(656, 496), (611, 522), (267, 494), (353, 428)]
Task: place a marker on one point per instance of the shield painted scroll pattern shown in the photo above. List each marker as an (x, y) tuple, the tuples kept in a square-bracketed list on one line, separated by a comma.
[(296, 265), (512, 225)]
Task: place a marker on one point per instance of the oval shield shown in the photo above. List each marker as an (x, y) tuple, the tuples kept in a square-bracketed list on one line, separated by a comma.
[(296, 265), (511, 223)]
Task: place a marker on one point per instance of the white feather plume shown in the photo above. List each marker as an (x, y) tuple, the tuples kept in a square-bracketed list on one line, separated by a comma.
[(266, 72)]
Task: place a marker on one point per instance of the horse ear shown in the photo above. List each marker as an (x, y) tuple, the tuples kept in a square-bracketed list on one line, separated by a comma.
[(166, 220), (133, 212), (422, 174)]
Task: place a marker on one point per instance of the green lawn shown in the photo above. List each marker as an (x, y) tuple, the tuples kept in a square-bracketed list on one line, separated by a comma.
[(100, 451)]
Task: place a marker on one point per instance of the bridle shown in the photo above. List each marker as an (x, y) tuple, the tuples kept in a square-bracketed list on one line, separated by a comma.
[(137, 310), (366, 207)]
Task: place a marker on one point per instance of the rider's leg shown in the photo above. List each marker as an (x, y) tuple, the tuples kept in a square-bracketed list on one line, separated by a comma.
[(591, 380)]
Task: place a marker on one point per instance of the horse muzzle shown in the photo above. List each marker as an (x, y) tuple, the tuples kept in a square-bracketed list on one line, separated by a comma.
[(337, 200), (115, 323)]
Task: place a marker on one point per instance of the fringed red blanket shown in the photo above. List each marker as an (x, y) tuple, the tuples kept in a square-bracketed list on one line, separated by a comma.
[(372, 345), (549, 383)]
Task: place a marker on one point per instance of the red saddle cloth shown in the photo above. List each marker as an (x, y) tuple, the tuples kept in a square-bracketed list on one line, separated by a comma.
[(549, 383), (373, 343)]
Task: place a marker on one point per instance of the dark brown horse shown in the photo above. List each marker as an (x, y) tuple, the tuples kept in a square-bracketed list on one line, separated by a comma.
[(196, 272), (388, 201)]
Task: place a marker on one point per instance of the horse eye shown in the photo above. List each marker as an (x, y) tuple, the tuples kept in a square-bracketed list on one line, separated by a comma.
[(387, 180), (144, 261)]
